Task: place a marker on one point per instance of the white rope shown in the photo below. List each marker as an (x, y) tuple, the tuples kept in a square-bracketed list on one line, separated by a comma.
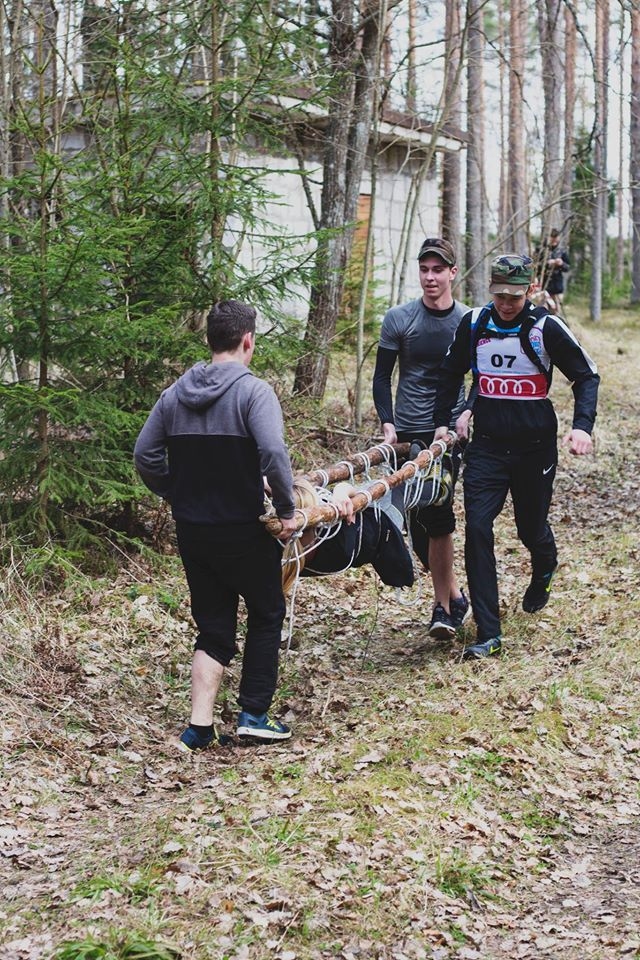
[(367, 465), (323, 534), (389, 453), (385, 484), (349, 467), (292, 603), (400, 598), (413, 490)]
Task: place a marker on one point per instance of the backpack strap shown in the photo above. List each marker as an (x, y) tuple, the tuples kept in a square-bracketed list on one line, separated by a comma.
[(479, 320), (539, 313)]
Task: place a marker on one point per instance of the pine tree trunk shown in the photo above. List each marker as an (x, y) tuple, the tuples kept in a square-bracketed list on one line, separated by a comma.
[(411, 57), (9, 66), (503, 204), (620, 251), (570, 34)]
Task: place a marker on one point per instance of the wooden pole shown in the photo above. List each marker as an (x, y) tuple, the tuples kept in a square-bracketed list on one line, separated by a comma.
[(357, 463), (327, 513)]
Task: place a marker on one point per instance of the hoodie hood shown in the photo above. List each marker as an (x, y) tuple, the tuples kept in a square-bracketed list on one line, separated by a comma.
[(204, 383)]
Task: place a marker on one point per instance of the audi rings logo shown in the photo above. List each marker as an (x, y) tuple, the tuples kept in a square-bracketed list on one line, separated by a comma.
[(509, 387)]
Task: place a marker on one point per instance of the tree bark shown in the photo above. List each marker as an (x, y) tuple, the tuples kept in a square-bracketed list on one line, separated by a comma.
[(570, 36), (503, 203), (517, 235), (451, 165), (600, 187), (358, 463), (634, 160), (550, 29), (411, 57), (475, 234), (620, 251), (312, 516), (11, 144), (354, 59)]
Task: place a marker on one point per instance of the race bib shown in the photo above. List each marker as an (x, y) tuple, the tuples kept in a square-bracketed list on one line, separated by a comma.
[(506, 372)]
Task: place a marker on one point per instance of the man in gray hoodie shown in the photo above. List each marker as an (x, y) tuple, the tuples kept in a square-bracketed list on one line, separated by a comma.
[(207, 444)]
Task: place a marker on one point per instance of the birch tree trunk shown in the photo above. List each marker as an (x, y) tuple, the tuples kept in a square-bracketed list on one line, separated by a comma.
[(503, 204), (475, 234), (620, 251), (600, 199), (550, 29), (517, 238), (570, 35), (634, 161)]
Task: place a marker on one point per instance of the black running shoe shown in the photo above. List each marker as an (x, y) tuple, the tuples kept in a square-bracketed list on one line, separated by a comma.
[(482, 649), (460, 610), (191, 741), (442, 624), (537, 593)]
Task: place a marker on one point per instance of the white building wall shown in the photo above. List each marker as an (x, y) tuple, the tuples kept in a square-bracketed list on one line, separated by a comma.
[(394, 193), (291, 216)]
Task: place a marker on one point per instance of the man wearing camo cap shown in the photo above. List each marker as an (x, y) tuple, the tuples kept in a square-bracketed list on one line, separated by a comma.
[(511, 347)]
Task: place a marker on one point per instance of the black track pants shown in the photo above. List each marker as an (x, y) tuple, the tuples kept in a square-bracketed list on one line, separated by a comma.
[(490, 472), (218, 573)]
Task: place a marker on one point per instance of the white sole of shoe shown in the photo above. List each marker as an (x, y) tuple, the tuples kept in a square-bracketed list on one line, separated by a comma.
[(262, 734), (442, 631)]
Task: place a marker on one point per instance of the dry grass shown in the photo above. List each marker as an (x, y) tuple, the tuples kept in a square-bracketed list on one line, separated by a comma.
[(425, 809)]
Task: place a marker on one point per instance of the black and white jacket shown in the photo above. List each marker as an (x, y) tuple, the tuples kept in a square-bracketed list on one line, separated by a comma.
[(509, 396), (208, 442)]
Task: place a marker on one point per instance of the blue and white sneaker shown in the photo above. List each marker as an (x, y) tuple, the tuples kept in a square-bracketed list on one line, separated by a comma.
[(261, 726), (190, 740), (482, 649)]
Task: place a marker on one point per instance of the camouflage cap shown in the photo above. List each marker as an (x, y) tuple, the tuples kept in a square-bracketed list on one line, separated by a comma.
[(440, 248), (511, 274)]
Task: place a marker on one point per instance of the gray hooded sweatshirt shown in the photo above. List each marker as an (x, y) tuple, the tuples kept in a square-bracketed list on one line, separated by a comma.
[(208, 442)]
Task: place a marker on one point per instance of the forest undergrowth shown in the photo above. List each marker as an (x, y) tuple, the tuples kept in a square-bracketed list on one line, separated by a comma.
[(425, 808)]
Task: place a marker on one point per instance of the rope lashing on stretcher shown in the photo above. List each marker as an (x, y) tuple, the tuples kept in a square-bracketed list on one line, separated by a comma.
[(387, 454), (326, 513), (325, 517)]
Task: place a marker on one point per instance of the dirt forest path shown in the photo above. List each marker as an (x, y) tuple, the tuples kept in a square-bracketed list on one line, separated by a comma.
[(425, 808)]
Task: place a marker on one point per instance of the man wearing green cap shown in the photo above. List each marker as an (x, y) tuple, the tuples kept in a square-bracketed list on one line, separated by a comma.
[(511, 347)]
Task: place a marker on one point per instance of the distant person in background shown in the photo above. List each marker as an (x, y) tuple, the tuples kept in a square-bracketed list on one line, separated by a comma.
[(553, 263), (417, 335)]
